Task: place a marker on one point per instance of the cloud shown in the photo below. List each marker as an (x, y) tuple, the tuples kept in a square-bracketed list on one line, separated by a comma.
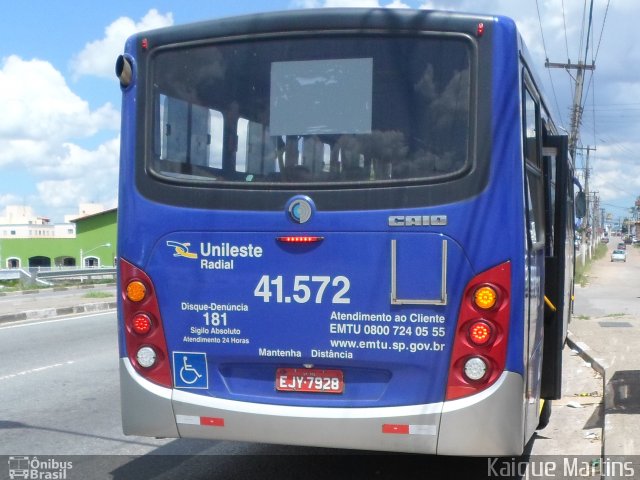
[(9, 199), (79, 176), (97, 58), (41, 123), (39, 112)]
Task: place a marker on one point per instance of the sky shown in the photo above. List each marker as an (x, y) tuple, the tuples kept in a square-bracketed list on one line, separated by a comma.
[(60, 100)]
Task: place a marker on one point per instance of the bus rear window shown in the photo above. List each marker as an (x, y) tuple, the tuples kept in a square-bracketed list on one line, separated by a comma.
[(326, 110)]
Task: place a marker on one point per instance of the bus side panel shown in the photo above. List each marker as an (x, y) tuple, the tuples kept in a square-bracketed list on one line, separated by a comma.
[(507, 176), (128, 197)]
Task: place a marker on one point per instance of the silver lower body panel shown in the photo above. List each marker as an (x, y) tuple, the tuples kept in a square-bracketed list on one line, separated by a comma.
[(489, 423)]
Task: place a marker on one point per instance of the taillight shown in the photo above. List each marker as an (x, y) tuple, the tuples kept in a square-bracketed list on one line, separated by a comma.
[(300, 239), (141, 324), (136, 291), (480, 345), (144, 335), (480, 332), (485, 297)]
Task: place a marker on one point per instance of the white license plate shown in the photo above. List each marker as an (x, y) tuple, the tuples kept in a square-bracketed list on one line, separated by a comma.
[(309, 380)]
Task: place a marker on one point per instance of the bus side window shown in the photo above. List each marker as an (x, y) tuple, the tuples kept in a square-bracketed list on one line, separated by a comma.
[(216, 121), (550, 166), (174, 114), (314, 152), (260, 149), (532, 142), (185, 132), (531, 130)]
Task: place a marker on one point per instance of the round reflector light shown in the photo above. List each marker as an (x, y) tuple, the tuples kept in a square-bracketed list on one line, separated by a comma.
[(475, 368), (141, 324), (146, 357), (480, 332), (485, 297), (136, 291)]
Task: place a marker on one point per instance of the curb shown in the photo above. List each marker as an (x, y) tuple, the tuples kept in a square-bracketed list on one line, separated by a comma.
[(54, 312), (582, 349)]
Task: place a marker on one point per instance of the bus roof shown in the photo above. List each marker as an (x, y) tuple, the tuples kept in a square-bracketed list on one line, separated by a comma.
[(324, 19)]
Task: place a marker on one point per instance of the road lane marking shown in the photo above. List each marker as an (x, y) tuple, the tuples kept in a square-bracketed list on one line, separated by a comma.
[(27, 323), (35, 370)]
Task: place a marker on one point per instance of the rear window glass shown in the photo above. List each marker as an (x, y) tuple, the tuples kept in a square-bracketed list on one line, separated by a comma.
[(371, 110)]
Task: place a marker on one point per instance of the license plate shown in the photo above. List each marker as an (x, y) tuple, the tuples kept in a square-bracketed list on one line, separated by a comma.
[(309, 380)]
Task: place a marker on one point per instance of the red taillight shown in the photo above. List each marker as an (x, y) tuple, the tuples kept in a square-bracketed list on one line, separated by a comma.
[(141, 324), (480, 345), (480, 332), (300, 239), (144, 336)]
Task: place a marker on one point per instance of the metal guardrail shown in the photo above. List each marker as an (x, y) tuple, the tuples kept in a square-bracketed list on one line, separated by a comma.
[(11, 274), (75, 272), (43, 275)]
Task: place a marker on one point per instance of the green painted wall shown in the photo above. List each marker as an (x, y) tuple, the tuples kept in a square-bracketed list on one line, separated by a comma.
[(97, 230), (92, 233)]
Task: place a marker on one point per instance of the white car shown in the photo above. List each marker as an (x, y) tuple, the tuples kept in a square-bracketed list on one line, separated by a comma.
[(619, 256)]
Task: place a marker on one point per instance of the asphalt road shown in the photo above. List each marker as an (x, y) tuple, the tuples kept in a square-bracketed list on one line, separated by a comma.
[(59, 398), (50, 298)]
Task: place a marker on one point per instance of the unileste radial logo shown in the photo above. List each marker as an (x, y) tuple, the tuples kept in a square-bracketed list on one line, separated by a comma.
[(217, 256), (181, 249)]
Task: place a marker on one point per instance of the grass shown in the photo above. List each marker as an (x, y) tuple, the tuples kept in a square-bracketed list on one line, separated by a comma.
[(7, 286), (582, 271), (98, 295), (17, 285)]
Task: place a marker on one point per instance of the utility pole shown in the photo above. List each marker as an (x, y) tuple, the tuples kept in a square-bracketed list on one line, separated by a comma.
[(587, 218), (580, 67), (586, 171), (576, 110), (576, 120)]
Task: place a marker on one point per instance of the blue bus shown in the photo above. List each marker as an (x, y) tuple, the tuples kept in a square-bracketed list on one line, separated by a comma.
[(341, 227)]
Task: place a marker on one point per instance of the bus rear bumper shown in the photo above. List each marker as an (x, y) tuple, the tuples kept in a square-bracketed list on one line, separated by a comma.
[(146, 407), (461, 427), (490, 423), (394, 429)]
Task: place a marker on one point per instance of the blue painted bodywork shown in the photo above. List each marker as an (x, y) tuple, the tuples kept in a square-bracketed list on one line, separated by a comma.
[(483, 231)]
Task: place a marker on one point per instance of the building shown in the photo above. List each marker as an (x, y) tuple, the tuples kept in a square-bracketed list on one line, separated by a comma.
[(19, 221), (92, 245), (85, 210)]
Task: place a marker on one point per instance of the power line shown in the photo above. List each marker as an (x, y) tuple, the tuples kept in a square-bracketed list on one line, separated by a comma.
[(544, 46), (593, 94), (597, 49), (586, 50), (564, 22), (602, 30), (584, 10)]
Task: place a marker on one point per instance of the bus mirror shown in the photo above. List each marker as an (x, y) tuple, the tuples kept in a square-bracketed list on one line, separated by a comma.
[(123, 71), (581, 205)]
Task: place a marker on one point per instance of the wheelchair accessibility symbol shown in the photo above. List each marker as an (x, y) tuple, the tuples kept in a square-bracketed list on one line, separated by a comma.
[(190, 370)]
